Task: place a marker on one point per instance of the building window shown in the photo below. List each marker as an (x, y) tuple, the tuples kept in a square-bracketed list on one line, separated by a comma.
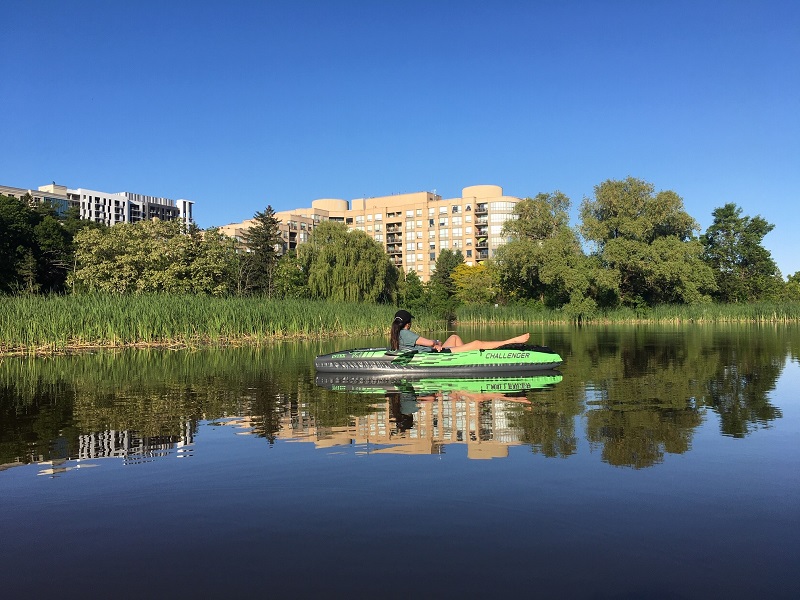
[(431, 211), (456, 209), (442, 210), (379, 217), (409, 213), (432, 256), (456, 221), (456, 231), (469, 253), (419, 212)]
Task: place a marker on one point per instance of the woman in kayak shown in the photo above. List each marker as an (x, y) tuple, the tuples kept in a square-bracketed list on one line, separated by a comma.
[(403, 339)]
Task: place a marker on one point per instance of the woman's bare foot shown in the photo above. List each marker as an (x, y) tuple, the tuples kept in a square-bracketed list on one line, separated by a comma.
[(520, 339)]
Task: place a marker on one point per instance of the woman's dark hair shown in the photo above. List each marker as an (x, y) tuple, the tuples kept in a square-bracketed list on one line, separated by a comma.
[(394, 339)]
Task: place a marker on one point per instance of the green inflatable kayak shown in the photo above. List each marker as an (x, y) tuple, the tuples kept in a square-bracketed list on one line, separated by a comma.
[(506, 359)]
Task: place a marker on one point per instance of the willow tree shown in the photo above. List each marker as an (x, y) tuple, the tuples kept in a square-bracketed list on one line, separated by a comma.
[(347, 266), (647, 242)]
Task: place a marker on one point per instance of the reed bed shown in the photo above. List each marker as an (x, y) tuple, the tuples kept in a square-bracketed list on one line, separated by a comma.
[(762, 312), (58, 324), (55, 324)]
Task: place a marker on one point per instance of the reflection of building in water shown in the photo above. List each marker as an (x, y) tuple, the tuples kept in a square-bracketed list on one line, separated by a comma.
[(451, 418), (133, 449)]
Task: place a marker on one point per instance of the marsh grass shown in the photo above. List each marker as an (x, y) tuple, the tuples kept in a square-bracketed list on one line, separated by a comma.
[(54, 324), (762, 312), (58, 324)]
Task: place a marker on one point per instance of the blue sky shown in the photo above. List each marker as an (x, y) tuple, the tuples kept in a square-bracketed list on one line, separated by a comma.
[(241, 104)]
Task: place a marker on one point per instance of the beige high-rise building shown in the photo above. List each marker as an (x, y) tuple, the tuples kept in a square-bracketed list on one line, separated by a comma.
[(413, 228)]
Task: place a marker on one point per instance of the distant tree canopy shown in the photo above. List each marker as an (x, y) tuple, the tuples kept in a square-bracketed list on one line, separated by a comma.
[(346, 265), (646, 242), (633, 247), (154, 256), (743, 268), (35, 245), (264, 244), (543, 260)]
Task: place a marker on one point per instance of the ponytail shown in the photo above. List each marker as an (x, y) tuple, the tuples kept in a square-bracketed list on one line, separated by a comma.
[(394, 339)]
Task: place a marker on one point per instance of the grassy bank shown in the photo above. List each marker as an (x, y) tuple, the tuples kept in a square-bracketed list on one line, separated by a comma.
[(41, 324), (762, 312), (38, 324)]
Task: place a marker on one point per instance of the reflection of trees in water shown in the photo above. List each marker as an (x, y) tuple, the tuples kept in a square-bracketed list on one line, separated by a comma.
[(740, 392), (643, 390), (646, 388), (45, 404)]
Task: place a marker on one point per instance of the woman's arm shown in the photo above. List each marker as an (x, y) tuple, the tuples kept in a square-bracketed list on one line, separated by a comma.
[(435, 344)]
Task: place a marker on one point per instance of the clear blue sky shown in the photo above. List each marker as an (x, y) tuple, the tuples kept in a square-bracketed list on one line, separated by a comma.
[(237, 105)]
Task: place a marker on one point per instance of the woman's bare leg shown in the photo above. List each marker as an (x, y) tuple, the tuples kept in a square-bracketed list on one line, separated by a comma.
[(482, 345), (453, 341)]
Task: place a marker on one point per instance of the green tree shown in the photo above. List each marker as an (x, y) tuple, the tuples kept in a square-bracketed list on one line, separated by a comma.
[(441, 289), (743, 268), (290, 277), (544, 261), (54, 248), (265, 248), (791, 291), (411, 292), (646, 240), (153, 256), (347, 265), (476, 284), (17, 263)]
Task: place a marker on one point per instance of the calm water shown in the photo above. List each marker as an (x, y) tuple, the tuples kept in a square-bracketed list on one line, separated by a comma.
[(657, 463)]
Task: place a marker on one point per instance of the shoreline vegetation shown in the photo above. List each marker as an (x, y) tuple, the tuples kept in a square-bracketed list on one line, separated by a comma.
[(45, 325)]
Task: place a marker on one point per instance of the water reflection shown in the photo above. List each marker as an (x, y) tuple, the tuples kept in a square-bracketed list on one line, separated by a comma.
[(424, 415), (640, 393)]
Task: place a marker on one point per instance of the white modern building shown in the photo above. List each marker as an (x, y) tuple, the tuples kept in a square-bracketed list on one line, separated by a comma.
[(108, 207)]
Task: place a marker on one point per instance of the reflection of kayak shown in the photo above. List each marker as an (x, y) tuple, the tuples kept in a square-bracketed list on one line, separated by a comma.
[(511, 357), (501, 383)]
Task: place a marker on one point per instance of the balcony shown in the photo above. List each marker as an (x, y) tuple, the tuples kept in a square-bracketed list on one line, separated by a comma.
[(481, 209)]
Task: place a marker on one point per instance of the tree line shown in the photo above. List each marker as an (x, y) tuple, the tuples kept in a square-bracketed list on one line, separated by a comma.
[(633, 247)]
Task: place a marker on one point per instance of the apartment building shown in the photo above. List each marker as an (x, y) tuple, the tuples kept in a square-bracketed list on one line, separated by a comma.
[(413, 228), (57, 197), (107, 207)]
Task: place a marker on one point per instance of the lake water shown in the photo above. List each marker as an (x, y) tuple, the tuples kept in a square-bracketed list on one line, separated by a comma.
[(658, 462)]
